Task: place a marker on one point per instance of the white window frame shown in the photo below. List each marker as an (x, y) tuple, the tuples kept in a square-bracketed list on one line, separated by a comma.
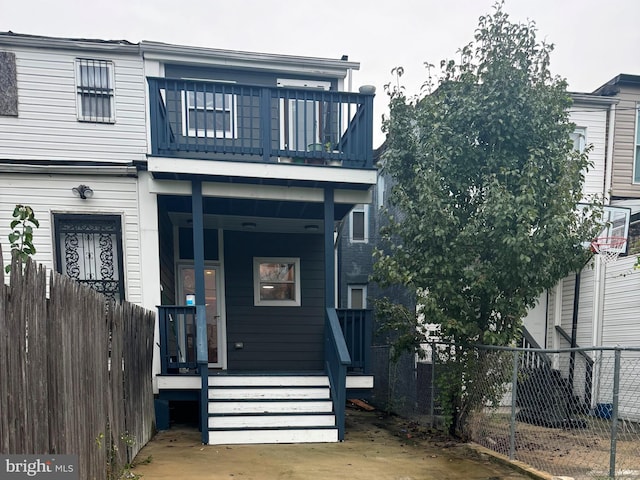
[(579, 137), (288, 140), (103, 91), (257, 301), (228, 103), (636, 149), (362, 208), (350, 289)]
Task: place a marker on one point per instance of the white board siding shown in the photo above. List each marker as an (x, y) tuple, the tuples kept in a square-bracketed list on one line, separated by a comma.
[(49, 194), (594, 120), (621, 319), (47, 127)]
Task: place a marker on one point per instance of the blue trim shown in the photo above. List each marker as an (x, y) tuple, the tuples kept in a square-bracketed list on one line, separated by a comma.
[(201, 318), (336, 362), (329, 264)]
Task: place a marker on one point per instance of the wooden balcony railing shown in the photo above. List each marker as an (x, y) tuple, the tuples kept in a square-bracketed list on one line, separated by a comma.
[(357, 330), (177, 339), (230, 121)]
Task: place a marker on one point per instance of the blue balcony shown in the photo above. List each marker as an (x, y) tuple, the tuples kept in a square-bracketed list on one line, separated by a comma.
[(230, 121)]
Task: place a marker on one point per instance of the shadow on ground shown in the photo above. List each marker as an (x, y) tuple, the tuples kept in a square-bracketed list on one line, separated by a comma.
[(375, 447)]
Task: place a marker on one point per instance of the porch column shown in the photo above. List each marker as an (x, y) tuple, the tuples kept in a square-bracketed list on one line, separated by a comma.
[(201, 317), (329, 263)]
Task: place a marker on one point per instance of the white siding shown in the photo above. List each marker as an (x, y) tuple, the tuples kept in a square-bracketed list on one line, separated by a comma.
[(47, 127), (621, 322), (49, 194), (594, 120)]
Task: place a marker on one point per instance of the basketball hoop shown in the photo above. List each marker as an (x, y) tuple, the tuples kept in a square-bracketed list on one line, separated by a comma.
[(609, 248)]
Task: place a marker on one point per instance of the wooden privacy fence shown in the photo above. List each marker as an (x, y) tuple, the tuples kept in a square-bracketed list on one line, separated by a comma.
[(75, 372)]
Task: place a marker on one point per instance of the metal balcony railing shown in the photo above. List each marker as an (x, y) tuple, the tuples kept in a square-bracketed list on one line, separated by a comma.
[(230, 121)]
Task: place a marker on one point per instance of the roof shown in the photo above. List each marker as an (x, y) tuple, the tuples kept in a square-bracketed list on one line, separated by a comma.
[(624, 79), (38, 41), (191, 54)]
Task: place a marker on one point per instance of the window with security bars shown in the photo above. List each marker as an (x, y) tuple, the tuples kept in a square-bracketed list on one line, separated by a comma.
[(89, 250), (95, 90)]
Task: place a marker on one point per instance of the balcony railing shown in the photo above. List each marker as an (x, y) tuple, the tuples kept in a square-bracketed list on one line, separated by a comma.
[(357, 330), (230, 121)]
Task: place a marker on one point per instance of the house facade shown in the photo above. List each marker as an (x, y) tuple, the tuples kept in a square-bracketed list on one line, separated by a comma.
[(205, 184)]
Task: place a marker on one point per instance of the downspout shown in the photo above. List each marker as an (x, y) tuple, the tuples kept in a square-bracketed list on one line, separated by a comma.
[(608, 159)]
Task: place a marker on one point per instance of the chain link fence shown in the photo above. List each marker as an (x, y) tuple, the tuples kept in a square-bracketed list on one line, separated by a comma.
[(573, 412)]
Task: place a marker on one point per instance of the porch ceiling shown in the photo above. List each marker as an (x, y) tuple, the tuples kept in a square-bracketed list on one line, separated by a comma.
[(267, 215)]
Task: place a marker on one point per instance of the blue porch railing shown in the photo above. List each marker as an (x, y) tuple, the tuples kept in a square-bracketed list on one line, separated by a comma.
[(336, 357), (230, 121), (177, 339), (357, 329)]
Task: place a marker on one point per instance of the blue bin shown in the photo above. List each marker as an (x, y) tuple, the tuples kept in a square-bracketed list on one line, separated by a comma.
[(604, 410)]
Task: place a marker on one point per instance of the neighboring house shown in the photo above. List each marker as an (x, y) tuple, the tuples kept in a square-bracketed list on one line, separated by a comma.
[(206, 183), (607, 120)]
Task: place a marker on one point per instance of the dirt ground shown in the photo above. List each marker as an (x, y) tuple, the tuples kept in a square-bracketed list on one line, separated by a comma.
[(375, 447)]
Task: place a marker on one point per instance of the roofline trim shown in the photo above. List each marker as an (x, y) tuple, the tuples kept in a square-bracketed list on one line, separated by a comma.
[(80, 44), (239, 59)]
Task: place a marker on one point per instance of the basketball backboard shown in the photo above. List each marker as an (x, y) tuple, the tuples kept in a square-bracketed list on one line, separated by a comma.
[(615, 223)]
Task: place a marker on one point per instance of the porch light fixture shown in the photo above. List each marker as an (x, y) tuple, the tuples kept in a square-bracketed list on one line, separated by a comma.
[(82, 191), (311, 228), (248, 225)]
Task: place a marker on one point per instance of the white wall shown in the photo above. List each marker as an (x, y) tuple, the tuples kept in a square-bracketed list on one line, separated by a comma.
[(47, 127), (594, 120), (49, 194)]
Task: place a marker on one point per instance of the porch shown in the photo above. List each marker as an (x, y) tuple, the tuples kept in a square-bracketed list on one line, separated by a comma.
[(264, 406), (267, 124)]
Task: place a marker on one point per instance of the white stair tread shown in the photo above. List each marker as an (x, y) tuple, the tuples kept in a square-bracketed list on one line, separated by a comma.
[(262, 421), (269, 380), (312, 406), (236, 437), (269, 393)]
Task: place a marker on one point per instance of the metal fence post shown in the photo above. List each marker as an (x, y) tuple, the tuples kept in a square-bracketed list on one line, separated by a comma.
[(614, 413), (433, 383), (514, 397)]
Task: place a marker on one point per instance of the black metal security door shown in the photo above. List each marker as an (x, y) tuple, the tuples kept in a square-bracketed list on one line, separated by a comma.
[(89, 250)]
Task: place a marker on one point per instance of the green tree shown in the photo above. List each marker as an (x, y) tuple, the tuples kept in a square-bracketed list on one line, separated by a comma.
[(485, 188)]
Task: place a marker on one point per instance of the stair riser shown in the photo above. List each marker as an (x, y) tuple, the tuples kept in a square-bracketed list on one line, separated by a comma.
[(270, 407), (273, 436), (283, 393), (266, 421)]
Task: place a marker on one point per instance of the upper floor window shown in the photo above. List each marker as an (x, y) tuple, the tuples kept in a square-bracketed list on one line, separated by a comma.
[(579, 139), (636, 169), (357, 297), (359, 225), (95, 90), (209, 114)]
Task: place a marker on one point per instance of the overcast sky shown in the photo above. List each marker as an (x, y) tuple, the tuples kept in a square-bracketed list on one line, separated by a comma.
[(595, 40)]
